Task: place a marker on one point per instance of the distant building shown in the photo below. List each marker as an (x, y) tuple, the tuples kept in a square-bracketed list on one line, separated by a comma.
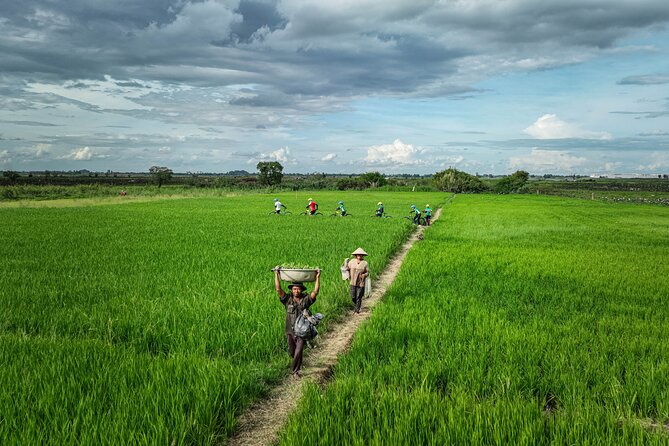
[(627, 175)]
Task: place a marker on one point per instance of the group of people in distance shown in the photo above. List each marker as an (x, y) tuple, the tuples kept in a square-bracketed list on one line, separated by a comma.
[(297, 300), (416, 214), (312, 209)]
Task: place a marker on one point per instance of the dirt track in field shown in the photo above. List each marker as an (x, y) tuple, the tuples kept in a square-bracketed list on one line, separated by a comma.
[(261, 424)]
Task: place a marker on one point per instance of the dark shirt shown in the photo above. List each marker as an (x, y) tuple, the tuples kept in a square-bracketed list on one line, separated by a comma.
[(293, 309)]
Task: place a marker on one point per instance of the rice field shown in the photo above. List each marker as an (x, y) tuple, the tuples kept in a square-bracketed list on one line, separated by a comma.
[(517, 320), (157, 322)]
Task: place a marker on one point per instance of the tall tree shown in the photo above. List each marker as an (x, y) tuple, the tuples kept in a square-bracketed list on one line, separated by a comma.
[(160, 174), (269, 172), (11, 175), (512, 183), (373, 179)]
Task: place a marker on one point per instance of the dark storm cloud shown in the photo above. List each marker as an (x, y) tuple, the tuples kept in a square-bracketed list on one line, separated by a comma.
[(304, 48), (256, 16), (572, 22)]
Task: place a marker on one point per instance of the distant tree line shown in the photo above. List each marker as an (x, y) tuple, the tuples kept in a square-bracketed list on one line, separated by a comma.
[(270, 175), (453, 180)]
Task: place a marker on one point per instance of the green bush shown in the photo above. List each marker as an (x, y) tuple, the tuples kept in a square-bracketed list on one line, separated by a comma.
[(453, 180), (512, 183)]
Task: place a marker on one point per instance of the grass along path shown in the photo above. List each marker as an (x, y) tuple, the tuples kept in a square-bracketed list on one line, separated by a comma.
[(261, 423)]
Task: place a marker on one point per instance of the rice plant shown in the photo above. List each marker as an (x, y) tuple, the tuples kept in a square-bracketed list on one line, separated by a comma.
[(157, 322), (517, 320)]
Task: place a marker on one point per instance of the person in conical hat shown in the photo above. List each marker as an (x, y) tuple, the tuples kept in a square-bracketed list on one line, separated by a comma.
[(296, 300), (358, 271)]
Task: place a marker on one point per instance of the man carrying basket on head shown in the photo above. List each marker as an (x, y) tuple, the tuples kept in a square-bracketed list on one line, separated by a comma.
[(295, 301)]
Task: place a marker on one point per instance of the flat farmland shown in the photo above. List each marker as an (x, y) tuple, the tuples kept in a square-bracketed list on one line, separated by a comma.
[(517, 320), (156, 322)]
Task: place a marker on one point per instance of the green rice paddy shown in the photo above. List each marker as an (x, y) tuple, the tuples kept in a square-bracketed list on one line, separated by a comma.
[(517, 320), (157, 322)]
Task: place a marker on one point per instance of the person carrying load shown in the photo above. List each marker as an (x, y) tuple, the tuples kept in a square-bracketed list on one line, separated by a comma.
[(428, 214), (296, 300), (358, 269), (278, 205), (312, 207), (379, 209)]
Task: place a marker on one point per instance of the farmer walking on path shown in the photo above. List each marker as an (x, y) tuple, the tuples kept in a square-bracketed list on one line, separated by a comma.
[(358, 270), (295, 301)]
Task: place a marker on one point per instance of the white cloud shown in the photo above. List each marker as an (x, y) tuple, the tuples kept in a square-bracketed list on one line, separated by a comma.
[(395, 153), (455, 159), (281, 155), (540, 160), (5, 157), (612, 167), (42, 150), (101, 94), (82, 154), (656, 161), (37, 151), (329, 157), (549, 126)]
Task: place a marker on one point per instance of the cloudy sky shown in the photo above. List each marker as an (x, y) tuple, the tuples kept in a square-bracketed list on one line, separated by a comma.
[(338, 86)]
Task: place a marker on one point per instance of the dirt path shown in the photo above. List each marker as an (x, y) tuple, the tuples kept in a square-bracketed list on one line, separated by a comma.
[(261, 423)]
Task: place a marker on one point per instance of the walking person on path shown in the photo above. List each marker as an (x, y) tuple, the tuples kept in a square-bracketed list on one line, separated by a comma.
[(296, 300), (358, 270)]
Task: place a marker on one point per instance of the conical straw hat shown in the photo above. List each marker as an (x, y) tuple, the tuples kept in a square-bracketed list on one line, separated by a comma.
[(359, 251)]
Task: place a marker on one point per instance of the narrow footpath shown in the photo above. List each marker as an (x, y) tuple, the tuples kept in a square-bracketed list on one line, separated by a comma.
[(261, 424)]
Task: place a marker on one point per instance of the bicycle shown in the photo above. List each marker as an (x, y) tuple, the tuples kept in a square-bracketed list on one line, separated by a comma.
[(279, 213), (310, 214), (384, 215), (339, 214), (412, 219)]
